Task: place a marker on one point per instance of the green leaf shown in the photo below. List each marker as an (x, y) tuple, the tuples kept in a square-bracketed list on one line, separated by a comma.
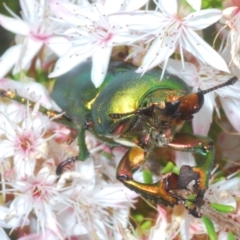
[(146, 225), (138, 217), (168, 168), (210, 228), (223, 208), (147, 176), (231, 236)]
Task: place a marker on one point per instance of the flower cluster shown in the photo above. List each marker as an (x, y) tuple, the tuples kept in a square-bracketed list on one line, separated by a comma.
[(32, 144), (87, 202)]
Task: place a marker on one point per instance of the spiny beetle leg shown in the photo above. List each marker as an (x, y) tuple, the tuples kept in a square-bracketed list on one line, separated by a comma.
[(199, 145), (182, 194), (192, 205), (158, 192), (186, 176), (63, 164), (200, 174)]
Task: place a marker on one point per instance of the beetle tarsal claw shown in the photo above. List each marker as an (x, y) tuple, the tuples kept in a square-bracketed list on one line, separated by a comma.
[(192, 205)]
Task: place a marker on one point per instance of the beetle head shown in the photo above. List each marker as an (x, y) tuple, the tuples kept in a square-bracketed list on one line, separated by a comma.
[(155, 123), (166, 118), (192, 103)]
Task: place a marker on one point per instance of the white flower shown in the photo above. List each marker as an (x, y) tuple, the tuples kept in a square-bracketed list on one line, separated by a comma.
[(4, 224), (231, 17), (36, 193), (201, 76), (34, 31), (96, 207), (47, 234), (160, 227), (110, 6), (24, 141), (169, 30), (92, 35), (93, 202), (31, 90)]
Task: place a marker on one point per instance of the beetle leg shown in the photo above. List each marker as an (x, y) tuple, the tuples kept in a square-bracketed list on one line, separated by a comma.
[(195, 144), (199, 174), (63, 164), (159, 191), (83, 153)]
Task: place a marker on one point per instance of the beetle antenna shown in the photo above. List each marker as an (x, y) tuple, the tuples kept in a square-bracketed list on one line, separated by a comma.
[(231, 81)]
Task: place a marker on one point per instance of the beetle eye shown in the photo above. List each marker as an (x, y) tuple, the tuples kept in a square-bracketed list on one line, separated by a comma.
[(172, 109)]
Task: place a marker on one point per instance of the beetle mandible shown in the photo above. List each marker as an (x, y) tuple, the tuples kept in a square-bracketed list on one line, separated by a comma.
[(142, 113)]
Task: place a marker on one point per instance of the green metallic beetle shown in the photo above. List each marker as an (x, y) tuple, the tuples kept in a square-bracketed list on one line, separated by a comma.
[(143, 113)]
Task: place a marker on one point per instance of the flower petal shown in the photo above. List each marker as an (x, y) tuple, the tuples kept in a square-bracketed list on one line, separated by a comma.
[(189, 74), (184, 158), (51, 221), (69, 60), (161, 225), (69, 12), (203, 119), (29, 9), (59, 45), (143, 21), (29, 49), (17, 26), (229, 13), (100, 60), (168, 6), (223, 235), (160, 50), (9, 58), (86, 170), (34, 91), (112, 6), (24, 167), (202, 19), (133, 5), (194, 44), (231, 108)]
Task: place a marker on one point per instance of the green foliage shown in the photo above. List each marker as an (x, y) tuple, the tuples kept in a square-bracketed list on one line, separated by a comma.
[(212, 4), (223, 208), (147, 176), (231, 236), (210, 228)]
